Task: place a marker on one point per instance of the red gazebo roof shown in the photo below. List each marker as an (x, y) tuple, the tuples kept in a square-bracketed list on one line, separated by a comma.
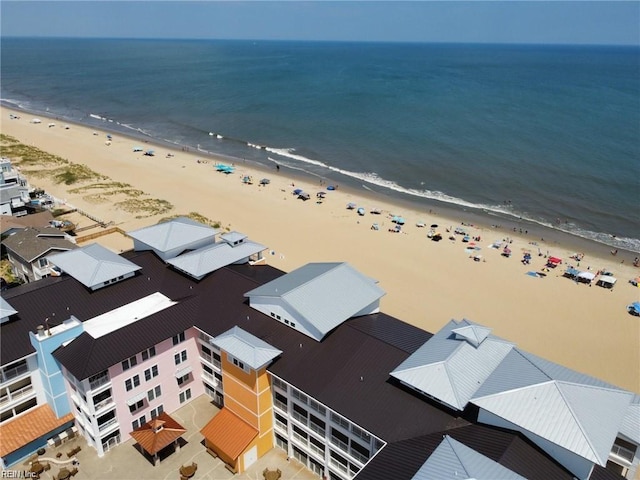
[(156, 434)]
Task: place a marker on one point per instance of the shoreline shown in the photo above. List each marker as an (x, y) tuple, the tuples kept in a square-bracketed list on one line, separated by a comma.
[(509, 226), (427, 283)]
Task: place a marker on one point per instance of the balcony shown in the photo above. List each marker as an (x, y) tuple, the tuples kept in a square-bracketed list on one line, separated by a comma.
[(107, 424), (210, 360), (103, 404), (280, 405), (16, 395), (99, 382), (14, 372)]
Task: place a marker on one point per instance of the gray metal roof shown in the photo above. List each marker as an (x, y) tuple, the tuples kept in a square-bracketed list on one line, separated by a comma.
[(453, 460), (325, 294), (202, 261), (583, 419), (631, 423), (246, 347), (6, 310), (176, 233), (33, 242), (233, 237), (93, 264), (454, 363)]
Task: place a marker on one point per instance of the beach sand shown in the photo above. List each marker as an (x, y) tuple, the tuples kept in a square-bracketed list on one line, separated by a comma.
[(583, 327)]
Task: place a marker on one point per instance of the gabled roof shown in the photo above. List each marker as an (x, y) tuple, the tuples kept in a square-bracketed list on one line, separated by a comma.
[(581, 418), (6, 310), (325, 294), (32, 243), (246, 347), (228, 433), (40, 219), (453, 460), (174, 234), (454, 363), (233, 237), (205, 260), (93, 264)]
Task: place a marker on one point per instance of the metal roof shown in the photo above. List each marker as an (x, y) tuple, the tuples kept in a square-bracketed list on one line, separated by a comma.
[(246, 347), (93, 264), (33, 242), (581, 418), (176, 233), (233, 237), (325, 294), (205, 260), (454, 363), (631, 423), (453, 460), (6, 310)]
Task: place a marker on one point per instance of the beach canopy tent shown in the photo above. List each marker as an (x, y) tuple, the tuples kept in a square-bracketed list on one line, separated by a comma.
[(150, 153), (553, 262), (586, 277), (351, 205), (634, 309), (297, 191), (397, 219), (265, 181), (304, 196), (606, 281), (221, 167), (137, 149), (321, 194), (635, 282), (571, 272)]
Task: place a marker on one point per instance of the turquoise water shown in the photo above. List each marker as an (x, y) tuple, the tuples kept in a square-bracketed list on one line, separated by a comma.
[(546, 133)]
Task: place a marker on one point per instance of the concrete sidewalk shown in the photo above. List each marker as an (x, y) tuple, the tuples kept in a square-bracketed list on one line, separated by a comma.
[(125, 462)]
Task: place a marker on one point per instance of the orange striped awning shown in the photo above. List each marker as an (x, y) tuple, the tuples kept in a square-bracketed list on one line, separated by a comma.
[(157, 433), (29, 427), (228, 433)]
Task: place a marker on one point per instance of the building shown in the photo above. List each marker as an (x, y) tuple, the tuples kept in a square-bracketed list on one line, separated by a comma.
[(303, 361), (28, 250)]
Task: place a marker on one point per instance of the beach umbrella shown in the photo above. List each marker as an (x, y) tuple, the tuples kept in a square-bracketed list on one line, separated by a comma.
[(265, 181), (321, 194), (435, 225), (351, 205), (137, 149), (297, 191), (304, 196), (331, 187), (150, 153)]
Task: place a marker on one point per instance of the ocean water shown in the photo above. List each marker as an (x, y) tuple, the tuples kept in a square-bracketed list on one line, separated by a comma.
[(548, 134)]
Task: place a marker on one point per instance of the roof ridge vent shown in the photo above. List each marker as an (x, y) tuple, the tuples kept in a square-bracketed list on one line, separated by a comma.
[(473, 334)]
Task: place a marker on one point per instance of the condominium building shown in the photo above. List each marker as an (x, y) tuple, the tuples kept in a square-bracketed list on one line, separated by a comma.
[(304, 361)]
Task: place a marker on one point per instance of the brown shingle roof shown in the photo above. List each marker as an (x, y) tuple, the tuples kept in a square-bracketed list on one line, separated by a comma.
[(157, 433), (229, 433), (28, 427), (33, 242), (40, 219)]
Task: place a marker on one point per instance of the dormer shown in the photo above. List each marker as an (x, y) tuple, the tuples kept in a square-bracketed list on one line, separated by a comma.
[(6, 310), (233, 238)]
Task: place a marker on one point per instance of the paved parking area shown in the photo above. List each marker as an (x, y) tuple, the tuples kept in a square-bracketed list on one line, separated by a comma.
[(125, 462)]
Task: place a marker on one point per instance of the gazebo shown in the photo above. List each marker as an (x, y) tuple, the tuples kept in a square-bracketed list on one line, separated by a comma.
[(157, 434)]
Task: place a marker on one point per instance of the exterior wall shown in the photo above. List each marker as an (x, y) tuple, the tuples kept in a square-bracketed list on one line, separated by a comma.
[(328, 444), (577, 465), (626, 453), (20, 387), (21, 269), (275, 307)]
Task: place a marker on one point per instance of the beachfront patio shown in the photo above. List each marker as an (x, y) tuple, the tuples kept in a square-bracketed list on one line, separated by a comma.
[(125, 462)]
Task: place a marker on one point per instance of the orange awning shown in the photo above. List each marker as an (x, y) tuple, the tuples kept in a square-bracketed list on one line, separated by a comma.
[(228, 433), (29, 427), (156, 434)]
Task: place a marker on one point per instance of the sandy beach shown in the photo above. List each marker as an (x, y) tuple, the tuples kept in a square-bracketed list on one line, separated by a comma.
[(583, 327)]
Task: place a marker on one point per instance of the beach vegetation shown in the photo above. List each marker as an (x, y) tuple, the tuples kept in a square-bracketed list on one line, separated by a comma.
[(109, 188), (6, 272), (195, 216), (74, 173), (146, 207), (22, 154)]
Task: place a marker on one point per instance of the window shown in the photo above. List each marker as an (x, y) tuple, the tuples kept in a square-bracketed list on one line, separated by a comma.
[(129, 362), (43, 262), (183, 379), (178, 338), (206, 350), (136, 406), (337, 419), (150, 373), (279, 383), (131, 383), (148, 353), (138, 423), (180, 357), (186, 395), (154, 393), (156, 411), (238, 363)]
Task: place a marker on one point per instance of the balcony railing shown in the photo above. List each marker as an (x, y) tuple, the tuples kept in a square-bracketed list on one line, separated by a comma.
[(359, 456), (107, 424), (339, 466), (98, 382), (316, 428), (340, 444), (281, 405), (300, 438), (11, 373), (16, 395), (103, 403), (210, 359), (299, 417)]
